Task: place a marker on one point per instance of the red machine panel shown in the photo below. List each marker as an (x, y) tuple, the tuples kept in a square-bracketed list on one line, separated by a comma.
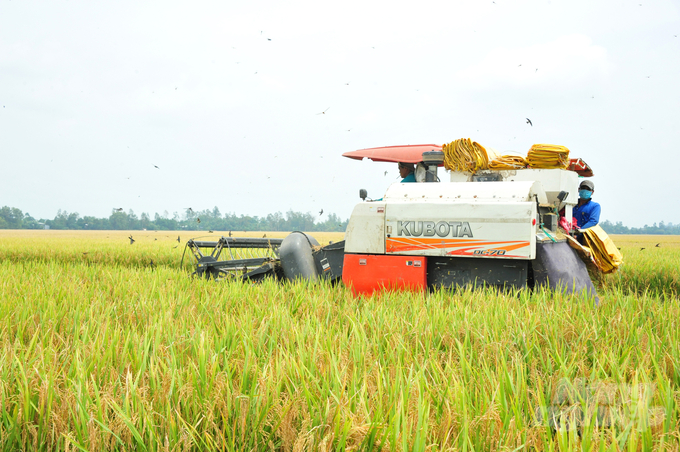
[(412, 153), (366, 273)]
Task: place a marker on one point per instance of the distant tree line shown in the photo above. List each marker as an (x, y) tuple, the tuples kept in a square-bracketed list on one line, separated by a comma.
[(661, 228), (190, 220)]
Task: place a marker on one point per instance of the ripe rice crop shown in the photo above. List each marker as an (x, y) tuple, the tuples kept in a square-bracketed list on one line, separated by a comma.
[(102, 351)]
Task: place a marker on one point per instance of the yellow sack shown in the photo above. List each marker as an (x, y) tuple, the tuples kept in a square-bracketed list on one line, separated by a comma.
[(508, 162), (547, 156), (466, 155), (606, 255)]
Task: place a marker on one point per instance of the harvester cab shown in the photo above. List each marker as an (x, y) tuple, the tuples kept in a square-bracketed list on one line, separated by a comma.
[(488, 227)]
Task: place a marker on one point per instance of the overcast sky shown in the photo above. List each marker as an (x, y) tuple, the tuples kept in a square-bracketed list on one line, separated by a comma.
[(225, 98)]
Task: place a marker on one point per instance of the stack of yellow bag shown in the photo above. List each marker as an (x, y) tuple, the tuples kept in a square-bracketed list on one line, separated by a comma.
[(547, 156), (508, 162), (465, 155), (606, 255)]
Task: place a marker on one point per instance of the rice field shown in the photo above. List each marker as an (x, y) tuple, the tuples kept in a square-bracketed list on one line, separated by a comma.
[(100, 350)]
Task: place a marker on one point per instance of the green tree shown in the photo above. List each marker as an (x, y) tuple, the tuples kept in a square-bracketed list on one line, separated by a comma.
[(119, 221), (13, 218)]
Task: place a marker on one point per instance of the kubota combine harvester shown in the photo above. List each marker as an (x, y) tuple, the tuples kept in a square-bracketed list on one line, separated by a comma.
[(488, 227)]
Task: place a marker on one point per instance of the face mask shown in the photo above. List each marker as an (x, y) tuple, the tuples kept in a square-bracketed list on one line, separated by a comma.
[(585, 194)]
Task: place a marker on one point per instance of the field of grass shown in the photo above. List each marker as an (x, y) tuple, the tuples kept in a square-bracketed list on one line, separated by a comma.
[(99, 350)]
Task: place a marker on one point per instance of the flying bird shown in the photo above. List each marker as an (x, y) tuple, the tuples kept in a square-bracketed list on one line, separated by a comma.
[(385, 173), (189, 209), (120, 209), (658, 245), (264, 236), (641, 249), (320, 212), (529, 122), (131, 240), (324, 112), (198, 220), (156, 167), (177, 239)]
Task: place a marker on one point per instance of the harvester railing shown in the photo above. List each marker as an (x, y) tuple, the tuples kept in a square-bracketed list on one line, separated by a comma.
[(245, 257)]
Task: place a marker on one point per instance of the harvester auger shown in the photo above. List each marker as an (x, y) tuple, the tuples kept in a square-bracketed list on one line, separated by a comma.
[(497, 228)]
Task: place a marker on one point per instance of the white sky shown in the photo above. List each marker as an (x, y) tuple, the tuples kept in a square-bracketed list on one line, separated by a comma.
[(224, 98)]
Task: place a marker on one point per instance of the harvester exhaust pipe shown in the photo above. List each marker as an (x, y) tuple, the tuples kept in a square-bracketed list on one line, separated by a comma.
[(432, 159)]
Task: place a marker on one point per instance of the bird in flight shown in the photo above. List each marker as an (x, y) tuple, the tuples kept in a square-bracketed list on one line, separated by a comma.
[(156, 167), (641, 249), (120, 209), (177, 239), (131, 240), (385, 173), (198, 220), (529, 122), (189, 209), (324, 112), (658, 245), (320, 212)]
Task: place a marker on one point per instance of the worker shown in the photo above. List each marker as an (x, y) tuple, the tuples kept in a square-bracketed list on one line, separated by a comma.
[(407, 172), (587, 212)]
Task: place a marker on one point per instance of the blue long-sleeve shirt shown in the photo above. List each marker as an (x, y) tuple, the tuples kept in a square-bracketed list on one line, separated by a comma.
[(410, 178), (587, 215)]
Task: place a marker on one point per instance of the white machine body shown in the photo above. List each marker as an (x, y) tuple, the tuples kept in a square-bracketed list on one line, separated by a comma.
[(462, 218)]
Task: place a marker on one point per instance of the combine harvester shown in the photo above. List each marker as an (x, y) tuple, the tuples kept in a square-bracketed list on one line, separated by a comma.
[(482, 228)]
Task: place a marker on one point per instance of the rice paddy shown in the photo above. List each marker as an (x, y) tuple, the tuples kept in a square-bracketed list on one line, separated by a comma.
[(100, 350)]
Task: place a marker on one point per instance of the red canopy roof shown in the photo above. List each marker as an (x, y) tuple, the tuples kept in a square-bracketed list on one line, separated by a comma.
[(412, 153)]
